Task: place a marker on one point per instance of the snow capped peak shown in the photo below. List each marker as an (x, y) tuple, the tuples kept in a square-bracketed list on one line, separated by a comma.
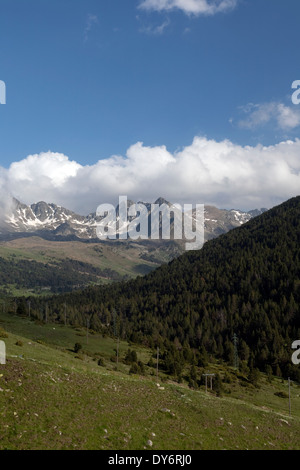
[(44, 217), (56, 222)]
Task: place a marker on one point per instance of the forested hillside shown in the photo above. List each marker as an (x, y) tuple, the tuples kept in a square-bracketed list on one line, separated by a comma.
[(66, 275), (246, 282)]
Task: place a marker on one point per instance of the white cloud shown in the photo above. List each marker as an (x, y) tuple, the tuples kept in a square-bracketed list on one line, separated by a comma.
[(6, 202), (285, 117), (155, 30), (194, 7), (45, 165), (288, 118), (220, 173), (91, 20), (43, 174)]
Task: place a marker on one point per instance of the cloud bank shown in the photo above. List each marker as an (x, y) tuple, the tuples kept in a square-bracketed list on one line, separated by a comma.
[(190, 7), (206, 172)]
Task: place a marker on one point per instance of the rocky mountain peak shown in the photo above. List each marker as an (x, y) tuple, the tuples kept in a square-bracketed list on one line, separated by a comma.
[(52, 221)]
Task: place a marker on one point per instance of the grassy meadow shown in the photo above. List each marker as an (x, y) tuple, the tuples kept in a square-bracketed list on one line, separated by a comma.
[(54, 398)]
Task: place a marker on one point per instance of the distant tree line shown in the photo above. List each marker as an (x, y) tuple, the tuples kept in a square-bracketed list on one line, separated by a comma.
[(61, 276)]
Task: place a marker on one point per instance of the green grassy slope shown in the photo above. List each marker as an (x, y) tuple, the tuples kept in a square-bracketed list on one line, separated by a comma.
[(51, 398)]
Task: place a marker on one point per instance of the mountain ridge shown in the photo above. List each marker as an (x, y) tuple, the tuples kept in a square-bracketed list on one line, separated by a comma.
[(52, 221)]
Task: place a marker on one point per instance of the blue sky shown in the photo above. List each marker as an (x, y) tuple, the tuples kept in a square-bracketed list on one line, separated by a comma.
[(89, 79)]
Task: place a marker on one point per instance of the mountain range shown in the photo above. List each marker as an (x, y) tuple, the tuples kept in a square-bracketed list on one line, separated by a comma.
[(48, 247), (54, 222)]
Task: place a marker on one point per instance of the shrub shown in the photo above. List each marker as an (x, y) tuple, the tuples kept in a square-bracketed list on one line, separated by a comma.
[(137, 368), (151, 362), (131, 357), (253, 377), (3, 333), (77, 347), (218, 386), (19, 343), (227, 378), (281, 394)]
